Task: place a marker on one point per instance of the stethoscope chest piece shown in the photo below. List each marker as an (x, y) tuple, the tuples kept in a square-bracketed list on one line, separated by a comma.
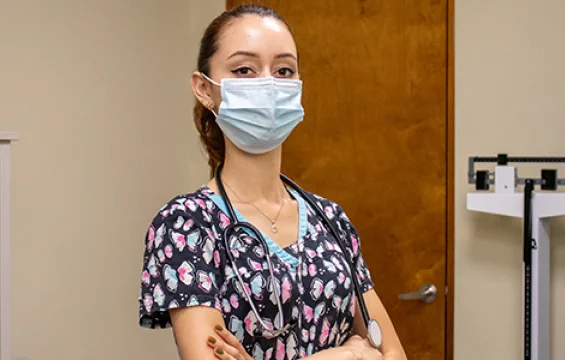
[(374, 334)]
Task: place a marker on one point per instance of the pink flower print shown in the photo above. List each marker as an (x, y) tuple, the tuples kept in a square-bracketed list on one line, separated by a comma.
[(305, 335), (226, 306), (186, 273), (169, 251), (250, 323), (337, 301), (224, 221), (255, 265), (280, 354), (311, 253), (286, 290), (158, 295), (308, 313), (325, 332), (331, 246), (217, 258), (312, 333), (204, 281), (179, 240), (148, 302), (355, 244), (190, 204), (208, 250), (319, 311), (312, 269), (234, 301), (145, 278), (329, 212), (317, 288), (150, 238), (291, 347), (159, 235), (200, 203)]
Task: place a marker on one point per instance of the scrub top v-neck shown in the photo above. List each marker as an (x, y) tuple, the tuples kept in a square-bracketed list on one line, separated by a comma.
[(185, 264), (284, 253)]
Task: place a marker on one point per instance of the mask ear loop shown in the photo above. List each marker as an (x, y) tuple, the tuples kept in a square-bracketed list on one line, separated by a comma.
[(213, 112), (212, 82)]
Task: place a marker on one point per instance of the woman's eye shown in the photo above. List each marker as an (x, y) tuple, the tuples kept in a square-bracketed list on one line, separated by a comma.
[(243, 71), (285, 72)]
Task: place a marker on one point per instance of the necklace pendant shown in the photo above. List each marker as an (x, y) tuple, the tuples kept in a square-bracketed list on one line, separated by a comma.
[(274, 228)]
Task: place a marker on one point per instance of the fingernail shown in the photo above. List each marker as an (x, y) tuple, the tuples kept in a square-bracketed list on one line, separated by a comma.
[(219, 351), (219, 328), (211, 340)]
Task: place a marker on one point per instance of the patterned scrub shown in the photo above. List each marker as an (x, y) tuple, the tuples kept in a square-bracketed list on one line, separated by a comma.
[(185, 264)]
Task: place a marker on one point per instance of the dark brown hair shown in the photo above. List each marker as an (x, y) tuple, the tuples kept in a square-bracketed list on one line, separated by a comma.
[(210, 134)]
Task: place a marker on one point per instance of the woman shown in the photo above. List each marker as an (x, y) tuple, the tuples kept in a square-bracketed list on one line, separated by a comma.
[(248, 101)]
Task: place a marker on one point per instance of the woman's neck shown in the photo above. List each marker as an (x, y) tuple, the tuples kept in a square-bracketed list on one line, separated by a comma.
[(254, 178)]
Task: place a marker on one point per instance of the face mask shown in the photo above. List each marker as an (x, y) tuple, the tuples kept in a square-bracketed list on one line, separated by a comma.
[(258, 114)]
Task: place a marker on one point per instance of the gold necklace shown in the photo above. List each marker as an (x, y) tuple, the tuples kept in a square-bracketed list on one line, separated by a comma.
[(274, 227)]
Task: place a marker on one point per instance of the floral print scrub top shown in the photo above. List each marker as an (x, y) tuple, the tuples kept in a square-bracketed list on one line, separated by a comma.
[(185, 264)]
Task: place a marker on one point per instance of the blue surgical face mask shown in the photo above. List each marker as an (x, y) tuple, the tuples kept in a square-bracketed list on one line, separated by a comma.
[(258, 114)]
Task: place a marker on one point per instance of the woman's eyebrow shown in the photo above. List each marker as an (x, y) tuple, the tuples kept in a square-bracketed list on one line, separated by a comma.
[(255, 55), (286, 55), (243, 53)]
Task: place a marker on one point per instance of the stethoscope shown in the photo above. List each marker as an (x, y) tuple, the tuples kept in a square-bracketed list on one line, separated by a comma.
[(374, 333)]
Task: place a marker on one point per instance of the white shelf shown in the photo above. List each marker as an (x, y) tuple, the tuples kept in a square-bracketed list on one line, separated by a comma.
[(6, 139), (8, 136)]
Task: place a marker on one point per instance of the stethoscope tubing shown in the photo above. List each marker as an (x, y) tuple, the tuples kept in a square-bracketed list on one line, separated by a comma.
[(236, 224), (333, 230)]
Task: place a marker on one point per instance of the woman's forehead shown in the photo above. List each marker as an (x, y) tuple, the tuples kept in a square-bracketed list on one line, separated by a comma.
[(264, 36)]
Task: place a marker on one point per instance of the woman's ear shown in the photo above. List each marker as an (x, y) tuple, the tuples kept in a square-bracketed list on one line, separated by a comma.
[(202, 90)]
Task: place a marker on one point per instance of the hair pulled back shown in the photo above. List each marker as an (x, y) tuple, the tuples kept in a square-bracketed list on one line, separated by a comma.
[(210, 134)]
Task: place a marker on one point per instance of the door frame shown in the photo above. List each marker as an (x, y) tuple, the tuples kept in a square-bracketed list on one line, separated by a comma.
[(450, 228), (450, 180)]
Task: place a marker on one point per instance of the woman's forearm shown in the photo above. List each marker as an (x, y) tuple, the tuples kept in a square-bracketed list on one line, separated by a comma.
[(394, 356), (338, 353)]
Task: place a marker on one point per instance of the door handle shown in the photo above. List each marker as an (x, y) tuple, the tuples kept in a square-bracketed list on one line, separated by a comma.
[(427, 294)]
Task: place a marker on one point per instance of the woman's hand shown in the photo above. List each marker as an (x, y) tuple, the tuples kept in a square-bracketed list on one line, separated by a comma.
[(362, 348), (226, 346)]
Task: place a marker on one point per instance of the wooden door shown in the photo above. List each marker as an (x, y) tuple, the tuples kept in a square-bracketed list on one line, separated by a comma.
[(375, 139)]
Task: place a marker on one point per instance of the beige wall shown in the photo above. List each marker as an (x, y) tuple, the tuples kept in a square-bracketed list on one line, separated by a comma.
[(510, 85), (99, 93)]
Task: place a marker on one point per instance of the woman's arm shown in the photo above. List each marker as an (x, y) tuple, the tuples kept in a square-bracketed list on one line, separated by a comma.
[(356, 348), (192, 328), (391, 347), (181, 277), (339, 353)]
